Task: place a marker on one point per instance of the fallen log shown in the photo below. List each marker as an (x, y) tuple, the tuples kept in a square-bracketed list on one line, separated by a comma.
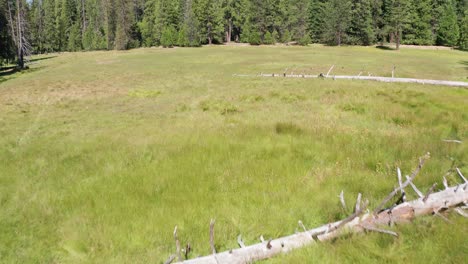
[(359, 221), (368, 78)]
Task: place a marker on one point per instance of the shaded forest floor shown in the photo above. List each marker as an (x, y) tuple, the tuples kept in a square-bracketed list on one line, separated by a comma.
[(103, 153)]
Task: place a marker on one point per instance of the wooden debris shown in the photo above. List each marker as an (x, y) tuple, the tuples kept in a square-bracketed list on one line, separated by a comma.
[(177, 242), (452, 141), (240, 241), (416, 190), (370, 78), (342, 200), (461, 175), (359, 221)]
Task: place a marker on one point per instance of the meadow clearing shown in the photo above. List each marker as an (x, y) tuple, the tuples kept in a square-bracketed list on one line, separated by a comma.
[(103, 153)]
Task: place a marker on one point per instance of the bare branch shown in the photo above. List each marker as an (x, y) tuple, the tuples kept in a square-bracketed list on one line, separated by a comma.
[(461, 175), (240, 242), (418, 192), (170, 259), (422, 160), (374, 229), (342, 200), (461, 212), (302, 225), (329, 71), (445, 183), (357, 208), (452, 141), (429, 192)]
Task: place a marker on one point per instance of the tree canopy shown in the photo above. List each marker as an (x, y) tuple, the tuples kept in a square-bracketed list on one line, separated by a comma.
[(73, 25)]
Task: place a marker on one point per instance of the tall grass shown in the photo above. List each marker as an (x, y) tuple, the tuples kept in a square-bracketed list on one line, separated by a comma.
[(103, 153)]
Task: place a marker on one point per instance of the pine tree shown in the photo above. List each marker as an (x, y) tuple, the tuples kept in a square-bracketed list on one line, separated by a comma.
[(336, 21), (361, 30), (268, 39), (316, 20), (463, 43), (210, 15), (147, 25), (7, 50), (169, 37), (188, 35), (166, 14), (448, 31), (234, 18), (298, 21), (396, 18), (419, 26)]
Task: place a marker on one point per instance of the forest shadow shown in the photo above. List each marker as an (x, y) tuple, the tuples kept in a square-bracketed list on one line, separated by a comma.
[(384, 47), (464, 63), (11, 73), (44, 58)]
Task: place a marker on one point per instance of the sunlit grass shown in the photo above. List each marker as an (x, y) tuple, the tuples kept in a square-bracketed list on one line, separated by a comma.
[(103, 153)]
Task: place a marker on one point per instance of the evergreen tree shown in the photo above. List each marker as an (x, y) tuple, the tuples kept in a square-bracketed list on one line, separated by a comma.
[(268, 39), (336, 21), (147, 25), (396, 18), (316, 20), (7, 49), (361, 30), (448, 31), (210, 15), (298, 21), (463, 43), (188, 34), (419, 26), (169, 37)]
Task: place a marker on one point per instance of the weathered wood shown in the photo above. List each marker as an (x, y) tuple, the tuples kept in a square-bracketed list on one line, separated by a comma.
[(422, 160), (461, 175), (240, 241), (359, 221), (329, 71), (416, 190), (378, 79), (402, 213), (452, 141), (177, 242), (342, 200)]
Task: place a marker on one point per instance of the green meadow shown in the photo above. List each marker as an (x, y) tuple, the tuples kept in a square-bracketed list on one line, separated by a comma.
[(102, 154)]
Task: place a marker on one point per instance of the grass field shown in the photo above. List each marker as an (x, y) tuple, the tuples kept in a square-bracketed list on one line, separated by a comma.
[(103, 153)]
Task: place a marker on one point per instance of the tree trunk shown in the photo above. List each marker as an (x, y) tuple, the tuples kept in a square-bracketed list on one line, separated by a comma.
[(83, 15), (210, 38), (20, 35), (398, 36), (229, 30), (339, 38)]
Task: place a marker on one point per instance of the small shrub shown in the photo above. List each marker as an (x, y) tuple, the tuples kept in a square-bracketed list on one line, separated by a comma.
[(287, 128), (169, 37), (286, 36), (268, 39), (222, 107), (305, 40), (357, 108), (254, 38)]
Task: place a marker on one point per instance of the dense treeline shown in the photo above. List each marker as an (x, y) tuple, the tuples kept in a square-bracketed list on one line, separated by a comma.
[(73, 25)]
